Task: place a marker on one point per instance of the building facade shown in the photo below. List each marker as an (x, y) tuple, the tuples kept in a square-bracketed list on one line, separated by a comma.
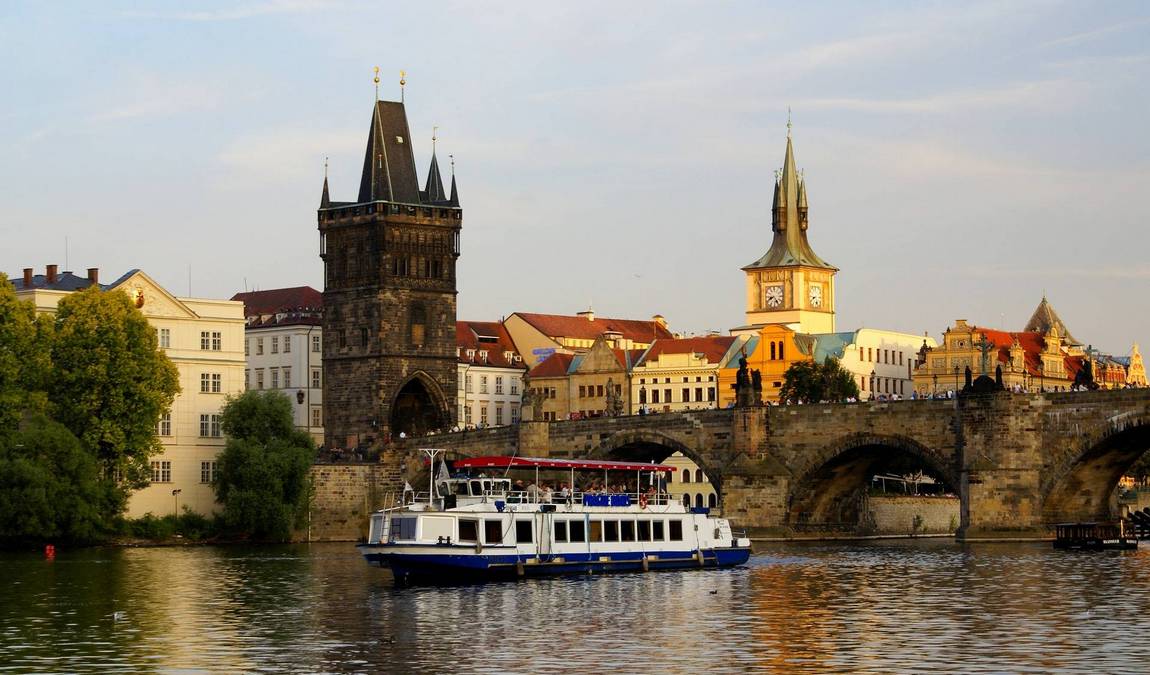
[(771, 350), (689, 484), (283, 344), (389, 294), (538, 336), (204, 339), (790, 284), (881, 361), (490, 375), (577, 386), (680, 374), (1135, 369)]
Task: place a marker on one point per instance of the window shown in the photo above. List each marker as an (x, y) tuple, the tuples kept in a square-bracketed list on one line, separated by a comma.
[(162, 472), (483, 413), (514, 414), (467, 383), (698, 475), (666, 396), (493, 531), (468, 531), (514, 386), (576, 531), (467, 415), (686, 395), (596, 530), (287, 344), (676, 530), (210, 340), (698, 394), (654, 396), (482, 384), (711, 394), (210, 383), (259, 346), (165, 426), (315, 343), (560, 531), (610, 530), (287, 377), (599, 390), (657, 530), (315, 379), (627, 530), (699, 500), (523, 532), (342, 338), (362, 337), (259, 378), (418, 324), (209, 426), (499, 414), (498, 385), (207, 472), (275, 378), (275, 344), (165, 338), (644, 530), (317, 416), (712, 501), (686, 475), (582, 391), (247, 379)]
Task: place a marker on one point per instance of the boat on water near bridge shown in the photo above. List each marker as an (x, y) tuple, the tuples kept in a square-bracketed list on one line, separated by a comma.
[(478, 526), (1093, 537)]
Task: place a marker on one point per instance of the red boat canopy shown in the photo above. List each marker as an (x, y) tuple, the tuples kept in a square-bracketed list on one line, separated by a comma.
[(502, 462)]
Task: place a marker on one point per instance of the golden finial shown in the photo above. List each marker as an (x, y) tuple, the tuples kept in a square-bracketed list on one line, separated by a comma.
[(376, 80), (402, 82), (434, 132), (325, 168)]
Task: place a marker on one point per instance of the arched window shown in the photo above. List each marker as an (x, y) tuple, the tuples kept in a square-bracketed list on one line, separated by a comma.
[(698, 475), (772, 351), (687, 500), (781, 357), (686, 475), (699, 500), (712, 500), (418, 324)]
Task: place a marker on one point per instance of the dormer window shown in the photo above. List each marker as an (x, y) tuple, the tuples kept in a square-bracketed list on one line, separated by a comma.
[(471, 354), (483, 355), (399, 139)]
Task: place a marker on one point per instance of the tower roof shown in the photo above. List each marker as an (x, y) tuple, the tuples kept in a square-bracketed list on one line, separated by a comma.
[(1045, 318), (389, 163), (433, 192), (790, 245)]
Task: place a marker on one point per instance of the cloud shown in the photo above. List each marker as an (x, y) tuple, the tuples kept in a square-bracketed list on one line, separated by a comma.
[(284, 155), (152, 96), (1043, 93), (1088, 35), (247, 11)]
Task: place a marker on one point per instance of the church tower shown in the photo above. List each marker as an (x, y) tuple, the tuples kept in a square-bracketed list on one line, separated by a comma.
[(389, 362), (790, 284)]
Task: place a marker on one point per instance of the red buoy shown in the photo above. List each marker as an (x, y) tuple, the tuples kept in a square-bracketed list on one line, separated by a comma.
[(50, 552)]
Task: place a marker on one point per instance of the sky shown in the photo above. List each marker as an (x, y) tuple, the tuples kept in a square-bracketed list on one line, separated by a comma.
[(961, 159)]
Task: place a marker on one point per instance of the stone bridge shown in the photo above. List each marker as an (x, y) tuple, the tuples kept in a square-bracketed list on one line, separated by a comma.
[(1019, 462)]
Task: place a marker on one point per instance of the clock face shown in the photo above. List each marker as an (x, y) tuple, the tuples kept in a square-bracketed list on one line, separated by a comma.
[(816, 296), (774, 296)]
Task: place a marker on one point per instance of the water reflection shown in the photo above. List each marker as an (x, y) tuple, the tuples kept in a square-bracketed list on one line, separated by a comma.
[(884, 607)]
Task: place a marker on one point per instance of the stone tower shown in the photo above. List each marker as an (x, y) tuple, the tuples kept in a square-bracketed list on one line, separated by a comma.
[(389, 294), (790, 284)]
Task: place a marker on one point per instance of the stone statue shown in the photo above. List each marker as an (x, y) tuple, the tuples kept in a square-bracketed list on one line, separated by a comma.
[(757, 387), (998, 378), (1084, 378), (614, 400), (741, 378), (530, 404), (744, 391)]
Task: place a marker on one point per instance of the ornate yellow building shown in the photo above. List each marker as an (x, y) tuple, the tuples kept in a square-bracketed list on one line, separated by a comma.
[(772, 350), (790, 284), (1135, 370)]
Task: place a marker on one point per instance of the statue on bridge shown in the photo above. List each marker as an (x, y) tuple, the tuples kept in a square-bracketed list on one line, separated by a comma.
[(530, 403), (1084, 378), (744, 389), (614, 400), (756, 387)]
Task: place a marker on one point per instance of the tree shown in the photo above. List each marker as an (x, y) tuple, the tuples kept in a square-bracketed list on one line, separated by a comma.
[(810, 382), (25, 342), (50, 486), (262, 476), (110, 382)]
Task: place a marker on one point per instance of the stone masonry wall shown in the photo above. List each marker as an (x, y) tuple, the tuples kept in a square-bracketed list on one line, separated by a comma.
[(895, 515), (345, 496)]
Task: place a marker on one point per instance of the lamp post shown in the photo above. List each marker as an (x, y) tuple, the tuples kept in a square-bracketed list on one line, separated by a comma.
[(642, 400), (956, 380), (176, 499), (934, 391), (1041, 377), (872, 373)]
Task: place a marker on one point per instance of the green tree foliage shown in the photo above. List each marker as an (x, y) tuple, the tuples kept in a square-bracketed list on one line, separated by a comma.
[(50, 486), (24, 357), (110, 382), (810, 382), (262, 477)]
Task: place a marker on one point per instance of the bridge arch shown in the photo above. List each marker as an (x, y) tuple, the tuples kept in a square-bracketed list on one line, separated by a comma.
[(828, 486), (1080, 486), (647, 445)]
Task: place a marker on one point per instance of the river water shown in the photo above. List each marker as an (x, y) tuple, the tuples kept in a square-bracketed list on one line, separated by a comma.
[(927, 605)]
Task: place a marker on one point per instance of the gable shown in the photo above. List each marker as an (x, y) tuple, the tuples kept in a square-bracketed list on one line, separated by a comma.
[(150, 297)]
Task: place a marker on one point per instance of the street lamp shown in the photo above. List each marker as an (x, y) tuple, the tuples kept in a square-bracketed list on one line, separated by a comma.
[(176, 498), (872, 371), (1041, 376), (934, 391), (642, 400)]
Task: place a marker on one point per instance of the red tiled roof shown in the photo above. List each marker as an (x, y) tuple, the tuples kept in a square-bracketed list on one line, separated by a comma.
[(558, 325), (1032, 343), (712, 347), (555, 365), (489, 336), (277, 300), (628, 358)]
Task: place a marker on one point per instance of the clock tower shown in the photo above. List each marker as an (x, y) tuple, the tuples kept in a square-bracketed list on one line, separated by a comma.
[(790, 284)]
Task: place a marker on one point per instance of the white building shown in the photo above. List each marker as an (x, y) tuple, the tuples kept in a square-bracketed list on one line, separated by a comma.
[(688, 484), (490, 375), (681, 374), (881, 361), (204, 339), (284, 348)]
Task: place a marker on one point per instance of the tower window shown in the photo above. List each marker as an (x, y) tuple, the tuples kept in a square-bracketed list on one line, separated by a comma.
[(418, 324)]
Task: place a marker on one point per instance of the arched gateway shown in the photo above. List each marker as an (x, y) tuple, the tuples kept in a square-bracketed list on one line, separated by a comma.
[(418, 408)]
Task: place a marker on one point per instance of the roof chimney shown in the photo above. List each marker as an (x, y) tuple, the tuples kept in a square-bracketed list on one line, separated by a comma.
[(51, 274), (94, 275), (27, 277), (587, 314)]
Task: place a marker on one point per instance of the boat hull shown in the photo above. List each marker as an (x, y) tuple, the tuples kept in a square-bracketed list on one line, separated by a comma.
[(446, 567)]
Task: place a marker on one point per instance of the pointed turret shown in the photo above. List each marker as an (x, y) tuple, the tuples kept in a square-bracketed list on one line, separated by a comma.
[(433, 193), (1045, 318), (788, 221), (453, 200), (324, 199), (388, 164)]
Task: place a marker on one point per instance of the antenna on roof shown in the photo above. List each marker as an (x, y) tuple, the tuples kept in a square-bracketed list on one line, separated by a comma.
[(325, 168), (376, 81), (402, 82), (788, 121), (452, 157)]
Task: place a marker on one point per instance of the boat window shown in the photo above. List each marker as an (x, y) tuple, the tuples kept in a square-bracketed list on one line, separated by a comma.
[(596, 530), (628, 530), (402, 528), (657, 530), (523, 532), (476, 488), (560, 530), (493, 531), (676, 530), (577, 531), (468, 531), (644, 530), (610, 530)]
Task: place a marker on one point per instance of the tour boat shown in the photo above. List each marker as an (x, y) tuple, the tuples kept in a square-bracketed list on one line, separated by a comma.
[(481, 526), (1093, 537)]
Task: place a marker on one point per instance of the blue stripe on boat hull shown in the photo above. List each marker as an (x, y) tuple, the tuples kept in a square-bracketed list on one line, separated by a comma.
[(448, 568)]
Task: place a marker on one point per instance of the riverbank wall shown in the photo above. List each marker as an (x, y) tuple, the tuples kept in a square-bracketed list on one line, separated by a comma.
[(345, 496), (910, 514)]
